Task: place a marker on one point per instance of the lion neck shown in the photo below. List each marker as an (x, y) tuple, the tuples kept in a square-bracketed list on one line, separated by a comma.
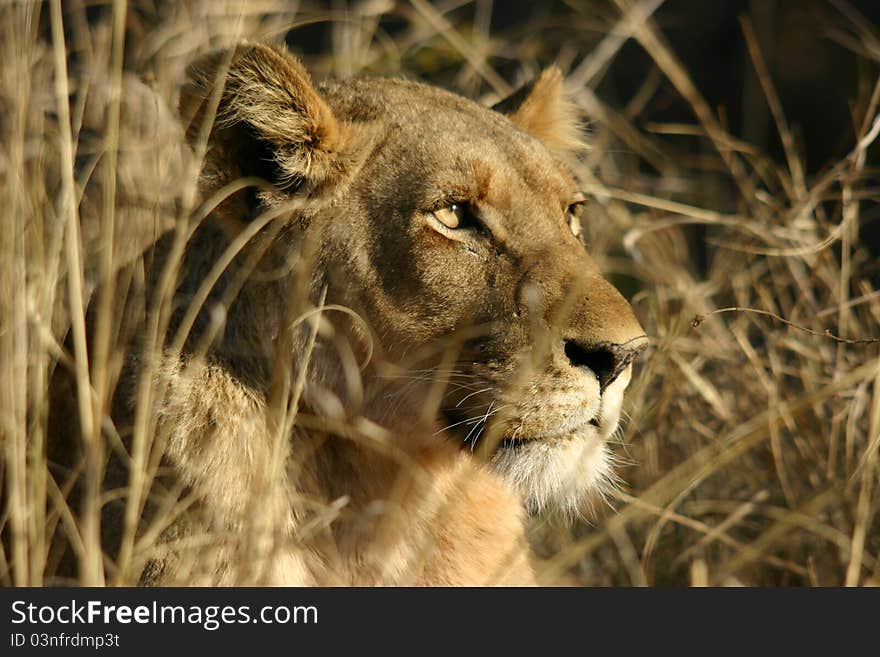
[(412, 516)]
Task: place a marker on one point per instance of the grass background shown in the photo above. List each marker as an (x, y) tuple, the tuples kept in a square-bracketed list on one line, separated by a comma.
[(733, 183)]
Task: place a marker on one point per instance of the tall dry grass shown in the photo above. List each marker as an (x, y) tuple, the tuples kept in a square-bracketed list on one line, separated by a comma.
[(751, 449)]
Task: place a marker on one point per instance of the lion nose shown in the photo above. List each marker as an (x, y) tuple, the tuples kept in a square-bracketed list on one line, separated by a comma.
[(606, 360)]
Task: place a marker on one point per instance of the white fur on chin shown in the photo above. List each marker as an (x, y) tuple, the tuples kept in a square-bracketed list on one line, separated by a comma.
[(568, 474), (564, 475)]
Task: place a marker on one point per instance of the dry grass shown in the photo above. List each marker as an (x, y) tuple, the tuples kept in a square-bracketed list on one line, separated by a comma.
[(755, 421)]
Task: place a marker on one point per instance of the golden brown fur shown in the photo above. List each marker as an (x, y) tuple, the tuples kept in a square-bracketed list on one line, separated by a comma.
[(468, 365)]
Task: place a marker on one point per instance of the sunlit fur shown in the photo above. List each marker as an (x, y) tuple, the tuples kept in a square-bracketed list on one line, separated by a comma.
[(308, 462), (569, 473)]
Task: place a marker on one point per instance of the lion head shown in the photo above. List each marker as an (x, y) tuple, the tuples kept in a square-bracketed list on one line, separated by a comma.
[(450, 231)]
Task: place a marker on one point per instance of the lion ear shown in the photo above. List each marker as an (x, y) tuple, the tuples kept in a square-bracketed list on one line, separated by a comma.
[(270, 122), (543, 109)]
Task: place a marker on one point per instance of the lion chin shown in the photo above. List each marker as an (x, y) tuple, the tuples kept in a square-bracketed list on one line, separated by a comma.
[(562, 475), (568, 474)]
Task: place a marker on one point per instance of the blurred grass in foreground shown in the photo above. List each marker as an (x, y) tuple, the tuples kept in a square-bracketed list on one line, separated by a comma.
[(751, 452)]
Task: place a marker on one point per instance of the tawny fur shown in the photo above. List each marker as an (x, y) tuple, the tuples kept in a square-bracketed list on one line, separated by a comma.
[(399, 438)]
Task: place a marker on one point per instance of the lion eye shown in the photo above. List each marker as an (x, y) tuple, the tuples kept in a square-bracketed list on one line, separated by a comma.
[(574, 222), (457, 215), (573, 214)]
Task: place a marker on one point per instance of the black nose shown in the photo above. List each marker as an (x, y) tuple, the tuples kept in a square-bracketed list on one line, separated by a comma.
[(605, 360)]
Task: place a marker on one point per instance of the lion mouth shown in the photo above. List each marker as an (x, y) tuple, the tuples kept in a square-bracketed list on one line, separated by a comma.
[(519, 442), (516, 443), (471, 434)]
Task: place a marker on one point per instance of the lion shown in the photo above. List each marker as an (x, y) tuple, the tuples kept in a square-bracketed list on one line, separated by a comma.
[(386, 345)]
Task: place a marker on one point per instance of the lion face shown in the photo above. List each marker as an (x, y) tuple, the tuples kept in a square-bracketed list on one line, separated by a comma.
[(452, 230)]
